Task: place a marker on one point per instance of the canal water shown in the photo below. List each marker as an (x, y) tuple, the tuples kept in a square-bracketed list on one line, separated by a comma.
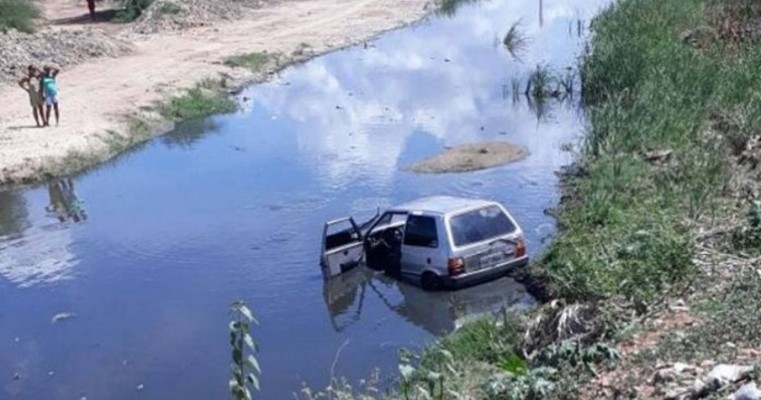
[(114, 284)]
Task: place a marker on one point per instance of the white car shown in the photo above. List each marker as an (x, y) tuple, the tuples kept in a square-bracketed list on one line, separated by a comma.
[(438, 242)]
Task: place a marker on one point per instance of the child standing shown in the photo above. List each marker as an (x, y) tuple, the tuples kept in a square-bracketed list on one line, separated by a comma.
[(31, 84), (50, 91)]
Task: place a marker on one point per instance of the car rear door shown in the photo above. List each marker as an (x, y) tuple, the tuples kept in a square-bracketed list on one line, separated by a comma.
[(421, 248)]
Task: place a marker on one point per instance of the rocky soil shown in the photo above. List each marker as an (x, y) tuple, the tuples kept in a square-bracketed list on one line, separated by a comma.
[(62, 48), (169, 15)]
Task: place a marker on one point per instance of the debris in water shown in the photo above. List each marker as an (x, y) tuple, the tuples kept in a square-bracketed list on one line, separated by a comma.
[(62, 317), (447, 60), (16, 339), (16, 376), (140, 387), (51, 373)]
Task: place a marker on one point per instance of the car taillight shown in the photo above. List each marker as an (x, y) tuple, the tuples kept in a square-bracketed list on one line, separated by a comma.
[(520, 248), (456, 266)]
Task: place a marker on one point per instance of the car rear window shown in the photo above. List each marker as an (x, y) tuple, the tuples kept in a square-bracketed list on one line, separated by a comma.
[(479, 225)]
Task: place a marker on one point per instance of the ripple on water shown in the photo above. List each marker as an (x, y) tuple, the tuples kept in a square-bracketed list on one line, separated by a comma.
[(42, 256)]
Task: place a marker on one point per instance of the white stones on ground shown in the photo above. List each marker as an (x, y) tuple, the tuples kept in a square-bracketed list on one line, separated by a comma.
[(59, 47), (749, 391), (724, 374)]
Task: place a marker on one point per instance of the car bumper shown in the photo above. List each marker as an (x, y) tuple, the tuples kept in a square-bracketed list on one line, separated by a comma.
[(475, 277)]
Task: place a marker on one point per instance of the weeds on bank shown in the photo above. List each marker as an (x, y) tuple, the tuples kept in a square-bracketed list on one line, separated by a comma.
[(18, 14), (201, 101), (256, 62)]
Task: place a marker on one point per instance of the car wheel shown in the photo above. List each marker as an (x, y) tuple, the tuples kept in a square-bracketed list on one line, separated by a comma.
[(430, 281)]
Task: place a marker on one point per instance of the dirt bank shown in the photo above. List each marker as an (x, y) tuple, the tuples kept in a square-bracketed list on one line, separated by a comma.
[(471, 157), (99, 96)]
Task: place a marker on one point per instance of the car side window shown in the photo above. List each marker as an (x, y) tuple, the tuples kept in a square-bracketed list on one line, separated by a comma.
[(421, 232)]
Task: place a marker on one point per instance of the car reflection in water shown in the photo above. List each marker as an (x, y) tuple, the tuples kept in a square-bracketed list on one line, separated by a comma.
[(64, 203), (438, 313)]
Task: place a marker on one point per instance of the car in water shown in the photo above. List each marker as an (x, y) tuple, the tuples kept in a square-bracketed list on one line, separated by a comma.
[(436, 242)]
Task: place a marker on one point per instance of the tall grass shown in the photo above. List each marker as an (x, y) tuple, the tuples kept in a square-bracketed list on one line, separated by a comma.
[(18, 14), (626, 228)]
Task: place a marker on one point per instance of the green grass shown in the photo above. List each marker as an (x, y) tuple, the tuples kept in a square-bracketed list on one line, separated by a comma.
[(256, 62), (18, 14), (625, 227), (198, 102)]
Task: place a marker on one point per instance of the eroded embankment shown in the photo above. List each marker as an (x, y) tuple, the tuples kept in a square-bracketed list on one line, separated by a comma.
[(656, 275)]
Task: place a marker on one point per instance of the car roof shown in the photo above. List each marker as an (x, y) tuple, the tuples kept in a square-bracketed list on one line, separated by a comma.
[(441, 204)]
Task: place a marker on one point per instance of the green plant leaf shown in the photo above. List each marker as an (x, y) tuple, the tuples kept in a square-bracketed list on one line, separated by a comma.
[(247, 313), (253, 363), (407, 371), (249, 342), (233, 386), (252, 379), (515, 365), (433, 376)]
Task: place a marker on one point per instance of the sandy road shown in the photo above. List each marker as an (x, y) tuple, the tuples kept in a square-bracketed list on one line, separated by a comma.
[(96, 97)]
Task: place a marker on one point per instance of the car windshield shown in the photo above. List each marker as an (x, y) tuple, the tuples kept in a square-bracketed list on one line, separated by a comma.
[(479, 225)]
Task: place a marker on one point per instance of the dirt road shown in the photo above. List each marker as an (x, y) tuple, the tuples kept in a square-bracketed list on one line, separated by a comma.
[(97, 97)]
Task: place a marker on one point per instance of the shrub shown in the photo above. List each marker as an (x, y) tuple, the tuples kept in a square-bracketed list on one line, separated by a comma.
[(132, 10), (18, 14)]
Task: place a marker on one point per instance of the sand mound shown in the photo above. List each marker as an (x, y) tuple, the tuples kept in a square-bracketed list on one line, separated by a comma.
[(170, 15), (471, 157), (63, 48)]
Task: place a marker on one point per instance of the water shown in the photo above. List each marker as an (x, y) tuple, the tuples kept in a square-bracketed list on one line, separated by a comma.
[(233, 206)]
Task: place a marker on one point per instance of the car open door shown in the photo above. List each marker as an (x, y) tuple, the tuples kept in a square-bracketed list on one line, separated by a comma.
[(341, 247)]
